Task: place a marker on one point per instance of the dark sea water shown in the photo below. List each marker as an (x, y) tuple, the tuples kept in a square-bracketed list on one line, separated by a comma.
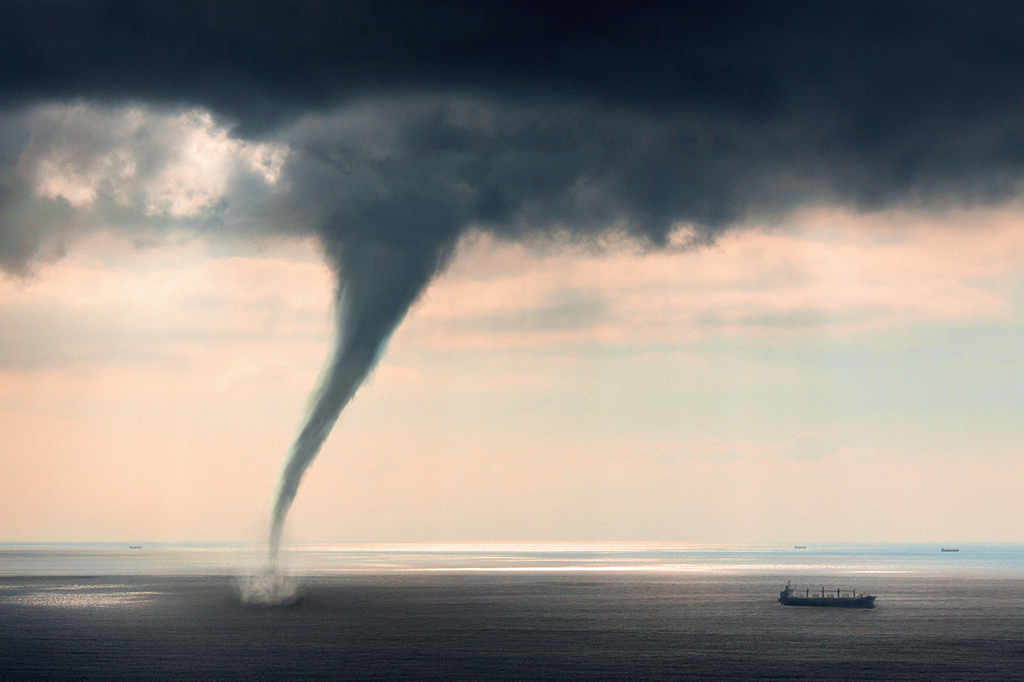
[(512, 612)]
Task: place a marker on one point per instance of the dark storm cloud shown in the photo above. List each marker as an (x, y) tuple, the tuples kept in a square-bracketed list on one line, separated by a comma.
[(259, 61), (699, 112), (414, 170), (883, 65)]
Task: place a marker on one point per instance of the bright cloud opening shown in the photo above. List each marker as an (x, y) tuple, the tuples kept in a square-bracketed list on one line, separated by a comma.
[(173, 164)]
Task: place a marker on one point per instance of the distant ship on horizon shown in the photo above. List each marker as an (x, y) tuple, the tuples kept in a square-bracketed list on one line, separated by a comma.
[(849, 600), (950, 549)]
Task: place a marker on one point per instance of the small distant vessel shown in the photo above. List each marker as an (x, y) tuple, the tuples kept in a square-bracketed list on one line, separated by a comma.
[(950, 549), (848, 599), (134, 546), (799, 546)]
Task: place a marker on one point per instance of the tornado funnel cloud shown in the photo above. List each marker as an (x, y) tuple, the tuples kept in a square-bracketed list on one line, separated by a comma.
[(377, 283)]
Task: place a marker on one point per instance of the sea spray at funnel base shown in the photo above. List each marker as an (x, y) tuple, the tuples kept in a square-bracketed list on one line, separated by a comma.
[(268, 588), (377, 283)]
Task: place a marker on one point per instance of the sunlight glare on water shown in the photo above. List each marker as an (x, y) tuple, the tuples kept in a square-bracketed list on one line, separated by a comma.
[(247, 561)]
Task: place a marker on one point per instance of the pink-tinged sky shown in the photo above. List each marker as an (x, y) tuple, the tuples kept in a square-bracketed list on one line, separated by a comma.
[(717, 275), (833, 376)]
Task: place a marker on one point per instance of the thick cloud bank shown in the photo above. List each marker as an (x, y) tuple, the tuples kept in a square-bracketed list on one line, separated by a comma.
[(881, 65), (517, 116), (390, 129)]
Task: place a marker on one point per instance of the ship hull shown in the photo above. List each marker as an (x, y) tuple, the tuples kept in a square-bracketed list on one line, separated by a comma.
[(831, 602)]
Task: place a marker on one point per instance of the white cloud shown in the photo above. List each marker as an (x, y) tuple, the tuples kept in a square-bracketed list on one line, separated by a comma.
[(173, 164)]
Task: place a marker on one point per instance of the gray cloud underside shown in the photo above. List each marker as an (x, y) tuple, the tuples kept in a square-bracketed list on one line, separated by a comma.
[(526, 116)]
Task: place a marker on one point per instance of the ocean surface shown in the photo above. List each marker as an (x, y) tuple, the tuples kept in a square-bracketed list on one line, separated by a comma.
[(510, 612)]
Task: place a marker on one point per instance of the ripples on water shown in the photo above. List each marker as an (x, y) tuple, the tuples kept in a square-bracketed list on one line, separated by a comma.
[(525, 612)]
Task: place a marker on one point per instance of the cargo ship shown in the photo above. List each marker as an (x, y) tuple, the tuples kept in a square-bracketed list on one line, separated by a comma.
[(840, 599)]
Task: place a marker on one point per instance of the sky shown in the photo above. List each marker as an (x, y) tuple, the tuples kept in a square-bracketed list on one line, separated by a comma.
[(514, 271)]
